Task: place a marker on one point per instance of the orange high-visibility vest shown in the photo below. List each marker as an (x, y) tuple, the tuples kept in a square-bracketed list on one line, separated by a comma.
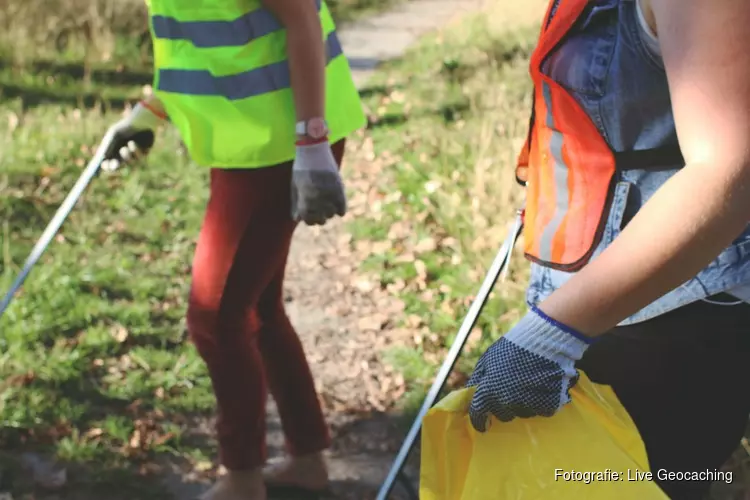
[(568, 168)]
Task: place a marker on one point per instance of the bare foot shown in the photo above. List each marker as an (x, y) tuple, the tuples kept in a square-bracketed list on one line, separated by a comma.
[(238, 485), (307, 472)]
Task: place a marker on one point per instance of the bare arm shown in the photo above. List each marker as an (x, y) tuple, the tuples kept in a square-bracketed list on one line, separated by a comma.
[(306, 53), (704, 207)]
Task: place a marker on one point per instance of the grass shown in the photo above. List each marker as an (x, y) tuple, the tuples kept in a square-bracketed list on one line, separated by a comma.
[(446, 122), (92, 353)]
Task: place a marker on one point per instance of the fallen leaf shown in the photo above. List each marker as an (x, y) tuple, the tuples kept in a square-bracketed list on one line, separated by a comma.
[(372, 323), (13, 121), (203, 466), (426, 245), (120, 333), (94, 432), (430, 186), (474, 338), (364, 286), (135, 439), (413, 321)]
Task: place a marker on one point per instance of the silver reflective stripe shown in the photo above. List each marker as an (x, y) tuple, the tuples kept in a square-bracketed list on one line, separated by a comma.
[(561, 180), (251, 83), (212, 34)]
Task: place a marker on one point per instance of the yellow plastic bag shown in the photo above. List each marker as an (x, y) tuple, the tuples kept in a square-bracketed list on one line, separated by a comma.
[(590, 450)]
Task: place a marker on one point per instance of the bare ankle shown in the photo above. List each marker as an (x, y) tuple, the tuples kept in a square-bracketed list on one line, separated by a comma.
[(236, 485), (307, 471)]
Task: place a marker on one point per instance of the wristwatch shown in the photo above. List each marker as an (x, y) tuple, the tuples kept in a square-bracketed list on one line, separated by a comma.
[(314, 128)]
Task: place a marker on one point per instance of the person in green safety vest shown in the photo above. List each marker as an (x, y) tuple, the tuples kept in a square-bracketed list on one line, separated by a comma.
[(263, 96)]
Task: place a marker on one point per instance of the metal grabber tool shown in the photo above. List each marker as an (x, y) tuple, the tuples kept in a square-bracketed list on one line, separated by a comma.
[(104, 152)]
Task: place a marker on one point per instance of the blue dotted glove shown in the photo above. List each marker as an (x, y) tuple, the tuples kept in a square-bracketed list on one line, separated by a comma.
[(528, 372)]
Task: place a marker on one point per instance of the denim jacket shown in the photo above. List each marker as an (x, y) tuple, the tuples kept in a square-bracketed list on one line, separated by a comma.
[(606, 65)]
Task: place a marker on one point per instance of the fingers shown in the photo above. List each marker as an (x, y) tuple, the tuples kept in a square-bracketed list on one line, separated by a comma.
[(315, 219), (478, 372), (341, 206), (316, 215), (110, 165), (479, 410), (319, 217), (128, 153), (317, 198), (339, 199), (302, 211)]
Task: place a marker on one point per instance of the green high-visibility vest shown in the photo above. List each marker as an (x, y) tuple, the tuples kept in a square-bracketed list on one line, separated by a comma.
[(222, 73)]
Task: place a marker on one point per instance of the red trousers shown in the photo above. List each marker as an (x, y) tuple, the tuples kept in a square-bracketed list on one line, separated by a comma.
[(237, 321)]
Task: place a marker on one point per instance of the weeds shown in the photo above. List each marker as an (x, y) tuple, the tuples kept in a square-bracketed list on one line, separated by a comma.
[(446, 123)]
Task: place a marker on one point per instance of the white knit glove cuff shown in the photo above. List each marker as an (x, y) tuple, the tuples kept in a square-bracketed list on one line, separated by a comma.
[(540, 334), (142, 118)]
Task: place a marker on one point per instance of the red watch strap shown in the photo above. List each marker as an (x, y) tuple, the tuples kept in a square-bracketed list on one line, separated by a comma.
[(308, 141), (153, 110)]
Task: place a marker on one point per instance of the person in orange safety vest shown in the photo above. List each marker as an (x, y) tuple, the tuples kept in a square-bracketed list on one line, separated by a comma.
[(637, 172)]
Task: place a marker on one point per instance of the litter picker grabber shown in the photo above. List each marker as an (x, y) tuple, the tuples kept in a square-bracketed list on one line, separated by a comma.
[(104, 152), (498, 269)]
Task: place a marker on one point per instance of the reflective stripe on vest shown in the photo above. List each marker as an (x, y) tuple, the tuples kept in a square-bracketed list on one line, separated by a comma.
[(222, 72), (566, 162), (238, 86), (566, 165), (560, 177), (207, 34)]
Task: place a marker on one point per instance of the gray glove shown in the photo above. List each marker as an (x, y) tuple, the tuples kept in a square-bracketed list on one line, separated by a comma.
[(317, 189)]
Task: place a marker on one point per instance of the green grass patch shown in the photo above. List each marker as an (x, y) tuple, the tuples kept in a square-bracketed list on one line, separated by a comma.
[(446, 122), (93, 359)]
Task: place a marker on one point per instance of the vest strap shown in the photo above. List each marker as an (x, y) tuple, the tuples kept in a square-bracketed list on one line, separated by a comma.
[(655, 159)]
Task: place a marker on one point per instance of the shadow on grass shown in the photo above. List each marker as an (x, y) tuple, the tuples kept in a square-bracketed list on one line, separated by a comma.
[(448, 112), (363, 450), (36, 94), (33, 96), (378, 90), (105, 75)]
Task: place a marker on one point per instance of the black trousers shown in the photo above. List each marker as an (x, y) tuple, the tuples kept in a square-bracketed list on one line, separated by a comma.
[(683, 377)]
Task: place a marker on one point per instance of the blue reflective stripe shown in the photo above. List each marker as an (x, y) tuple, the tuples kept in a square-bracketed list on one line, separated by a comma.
[(212, 34), (251, 83)]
